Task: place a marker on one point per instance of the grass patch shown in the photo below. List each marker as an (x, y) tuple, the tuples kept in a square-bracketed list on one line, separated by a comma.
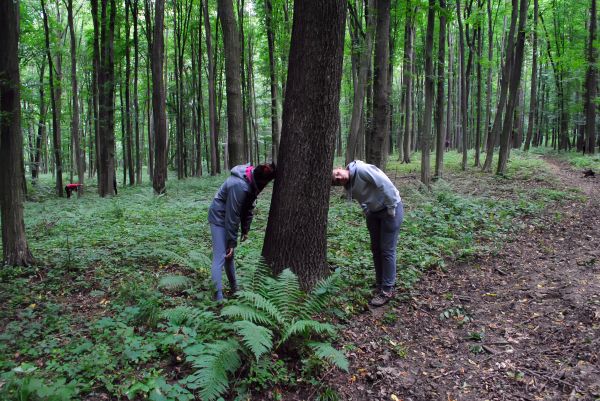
[(89, 317)]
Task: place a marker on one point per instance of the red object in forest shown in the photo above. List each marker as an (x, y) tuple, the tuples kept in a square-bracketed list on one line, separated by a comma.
[(72, 187)]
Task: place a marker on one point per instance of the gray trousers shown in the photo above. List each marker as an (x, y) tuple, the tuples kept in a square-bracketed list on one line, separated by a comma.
[(383, 230), (219, 247)]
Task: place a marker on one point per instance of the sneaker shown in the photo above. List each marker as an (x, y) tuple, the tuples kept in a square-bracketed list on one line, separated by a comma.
[(382, 298)]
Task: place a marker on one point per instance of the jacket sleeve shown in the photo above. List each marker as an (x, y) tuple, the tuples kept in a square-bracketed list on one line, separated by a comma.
[(248, 214), (233, 209), (383, 184)]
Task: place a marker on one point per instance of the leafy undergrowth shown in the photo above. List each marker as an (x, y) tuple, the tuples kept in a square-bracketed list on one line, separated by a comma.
[(577, 160), (119, 304)]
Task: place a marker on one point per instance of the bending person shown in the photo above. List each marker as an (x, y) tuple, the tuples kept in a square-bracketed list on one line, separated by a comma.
[(382, 206), (234, 204)]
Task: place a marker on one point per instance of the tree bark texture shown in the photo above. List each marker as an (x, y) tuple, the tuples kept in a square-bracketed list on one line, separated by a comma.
[(159, 102), (590, 86), (15, 250), (296, 235)]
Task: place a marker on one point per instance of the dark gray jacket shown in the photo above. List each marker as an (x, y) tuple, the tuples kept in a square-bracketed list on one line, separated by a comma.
[(234, 203), (371, 187)]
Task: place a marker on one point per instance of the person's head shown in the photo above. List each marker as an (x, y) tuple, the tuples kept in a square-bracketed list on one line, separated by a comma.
[(263, 174), (340, 176)]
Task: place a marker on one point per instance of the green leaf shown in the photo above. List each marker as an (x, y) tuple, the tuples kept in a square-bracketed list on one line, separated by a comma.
[(327, 352), (257, 338)]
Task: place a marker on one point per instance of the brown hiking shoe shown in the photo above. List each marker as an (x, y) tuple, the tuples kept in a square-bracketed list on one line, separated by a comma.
[(382, 298)]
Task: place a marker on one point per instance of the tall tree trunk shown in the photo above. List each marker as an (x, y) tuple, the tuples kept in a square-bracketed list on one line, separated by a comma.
[(15, 250), (231, 44), (310, 122), (534, 71), (41, 136), (149, 35), (515, 80), (463, 87), (159, 101), (75, 104), (407, 81), (505, 78), (128, 125), (136, 106), (439, 110), (488, 97), (381, 103), (275, 128), (478, 33), (426, 133), (212, 105), (106, 88), (55, 108), (590, 86)]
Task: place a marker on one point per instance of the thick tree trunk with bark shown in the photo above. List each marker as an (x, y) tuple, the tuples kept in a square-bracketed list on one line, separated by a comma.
[(159, 101), (426, 134), (14, 243), (296, 235), (231, 44)]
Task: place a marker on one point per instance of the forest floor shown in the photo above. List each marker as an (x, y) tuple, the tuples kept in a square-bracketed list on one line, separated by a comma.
[(522, 324)]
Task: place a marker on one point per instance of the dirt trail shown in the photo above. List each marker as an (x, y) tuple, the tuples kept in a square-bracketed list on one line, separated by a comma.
[(521, 325)]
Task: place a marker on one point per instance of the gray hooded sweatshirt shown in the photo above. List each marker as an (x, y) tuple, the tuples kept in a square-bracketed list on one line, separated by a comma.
[(371, 187), (234, 203)]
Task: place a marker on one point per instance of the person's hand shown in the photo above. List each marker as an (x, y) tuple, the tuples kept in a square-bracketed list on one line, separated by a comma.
[(391, 212), (229, 253), (244, 237)]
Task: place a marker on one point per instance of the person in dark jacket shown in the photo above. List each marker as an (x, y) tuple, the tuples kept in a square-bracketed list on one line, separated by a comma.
[(234, 205), (382, 206)]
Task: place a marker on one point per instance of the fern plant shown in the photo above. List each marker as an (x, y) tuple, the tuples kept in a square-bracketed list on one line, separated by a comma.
[(270, 314)]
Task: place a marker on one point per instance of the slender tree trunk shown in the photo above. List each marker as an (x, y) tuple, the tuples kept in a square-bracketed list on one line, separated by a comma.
[(55, 108), (275, 128), (488, 98), (463, 87), (478, 101), (426, 133), (231, 44), (590, 86), (149, 35), (506, 69), (15, 250), (407, 82), (159, 101), (75, 104), (534, 71), (128, 125), (212, 105), (310, 123), (515, 80), (439, 120), (41, 136)]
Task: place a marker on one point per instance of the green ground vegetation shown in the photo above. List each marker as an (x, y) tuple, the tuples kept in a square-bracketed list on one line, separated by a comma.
[(119, 302)]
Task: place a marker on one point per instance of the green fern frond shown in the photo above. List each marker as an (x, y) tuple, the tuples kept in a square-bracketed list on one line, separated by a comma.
[(257, 338), (198, 260), (247, 312), (190, 317), (327, 352), (307, 326), (286, 294), (321, 295), (214, 364), (175, 283), (263, 304), (252, 278)]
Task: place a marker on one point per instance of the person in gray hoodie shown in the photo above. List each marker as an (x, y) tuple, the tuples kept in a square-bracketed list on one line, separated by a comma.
[(234, 204), (382, 206)]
